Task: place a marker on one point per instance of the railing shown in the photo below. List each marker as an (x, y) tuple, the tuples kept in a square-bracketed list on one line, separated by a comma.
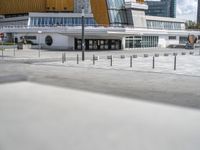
[(88, 26)]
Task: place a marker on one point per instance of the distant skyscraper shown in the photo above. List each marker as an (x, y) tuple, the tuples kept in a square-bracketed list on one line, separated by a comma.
[(163, 8), (78, 6), (198, 12)]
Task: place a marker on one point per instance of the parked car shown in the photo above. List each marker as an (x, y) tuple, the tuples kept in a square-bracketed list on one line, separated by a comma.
[(189, 46)]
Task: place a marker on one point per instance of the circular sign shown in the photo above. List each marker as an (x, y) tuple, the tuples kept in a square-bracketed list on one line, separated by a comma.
[(48, 40)]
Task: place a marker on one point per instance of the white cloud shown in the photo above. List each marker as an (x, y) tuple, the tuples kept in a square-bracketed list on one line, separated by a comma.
[(187, 9)]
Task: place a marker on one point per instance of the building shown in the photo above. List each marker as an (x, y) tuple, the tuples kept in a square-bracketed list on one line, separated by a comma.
[(162, 8), (198, 12), (109, 24)]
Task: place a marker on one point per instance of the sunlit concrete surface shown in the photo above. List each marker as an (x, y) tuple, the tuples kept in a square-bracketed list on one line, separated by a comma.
[(40, 117), (185, 65)]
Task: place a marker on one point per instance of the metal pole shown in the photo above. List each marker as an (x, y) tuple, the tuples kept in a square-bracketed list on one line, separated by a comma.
[(175, 62), (111, 61), (39, 32), (62, 58), (14, 45), (39, 45), (77, 59), (93, 59), (83, 33), (2, 47), (153, 62), (131, 61)]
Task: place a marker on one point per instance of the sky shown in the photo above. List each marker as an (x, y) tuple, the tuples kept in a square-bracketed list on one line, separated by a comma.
[(187, 9)]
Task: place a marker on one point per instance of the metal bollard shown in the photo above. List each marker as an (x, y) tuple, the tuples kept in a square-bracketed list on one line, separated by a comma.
[(175, 62), (2, 54), (93, 59), (183, 53), (131, 61), (135, 56), (77, 59), (122, 56), (63, 58), (111, 61), (153, 62)]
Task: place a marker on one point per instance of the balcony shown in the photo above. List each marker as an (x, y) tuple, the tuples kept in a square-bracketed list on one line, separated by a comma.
[(134, 5)]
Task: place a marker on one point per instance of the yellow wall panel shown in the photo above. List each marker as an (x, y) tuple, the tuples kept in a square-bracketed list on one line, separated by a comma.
[(100, 11), (140, 1), (25, 6), (21, 6), (60, 5)]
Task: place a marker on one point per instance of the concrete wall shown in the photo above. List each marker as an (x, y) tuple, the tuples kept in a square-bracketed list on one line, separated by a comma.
[(60, 42)]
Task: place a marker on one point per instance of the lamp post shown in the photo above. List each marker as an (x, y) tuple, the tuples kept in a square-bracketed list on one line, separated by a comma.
[(39, 32), (14, 44), (83, 32)]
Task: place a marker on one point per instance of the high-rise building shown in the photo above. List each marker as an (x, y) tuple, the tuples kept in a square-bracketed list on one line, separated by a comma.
[(198, 12), (78, 4), (162, 8)]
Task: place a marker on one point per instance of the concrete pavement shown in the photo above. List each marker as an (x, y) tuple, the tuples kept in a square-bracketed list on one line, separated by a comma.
[(34, 117)]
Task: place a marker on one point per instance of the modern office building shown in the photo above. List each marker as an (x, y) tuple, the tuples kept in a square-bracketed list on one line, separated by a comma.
[(109, 24), (198, 12), (162, 8)]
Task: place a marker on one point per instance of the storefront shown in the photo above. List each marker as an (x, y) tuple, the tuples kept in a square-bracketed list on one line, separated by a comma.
[(99, 44)]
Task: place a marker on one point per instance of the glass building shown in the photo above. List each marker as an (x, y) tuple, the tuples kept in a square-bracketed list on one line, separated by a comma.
[(198, 12), (117, 12), (162, 8)]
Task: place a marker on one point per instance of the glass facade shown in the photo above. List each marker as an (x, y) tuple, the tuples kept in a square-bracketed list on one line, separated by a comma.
[(151, 24), (163, 8), (183, 39), (60, 21), (141, 41), (198, 12), (99, 44), (117, 12)]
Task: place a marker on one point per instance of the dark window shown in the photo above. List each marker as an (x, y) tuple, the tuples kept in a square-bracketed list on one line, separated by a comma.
[(172, 37)]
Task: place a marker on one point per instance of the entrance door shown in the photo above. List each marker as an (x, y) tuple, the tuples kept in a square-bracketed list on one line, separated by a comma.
[(99, 44)]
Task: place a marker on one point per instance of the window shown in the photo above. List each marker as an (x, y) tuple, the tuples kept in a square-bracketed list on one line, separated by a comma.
[(152, 24), (60, 21), (172, 37)]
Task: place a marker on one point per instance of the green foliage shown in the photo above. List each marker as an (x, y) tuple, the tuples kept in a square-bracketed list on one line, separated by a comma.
[(7, 43), (192, 25)]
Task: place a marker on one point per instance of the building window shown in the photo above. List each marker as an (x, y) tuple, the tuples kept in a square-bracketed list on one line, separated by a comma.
[(117, 12), (141, 41), (183, 40), (172, 37), (60, 21), (153, 24)]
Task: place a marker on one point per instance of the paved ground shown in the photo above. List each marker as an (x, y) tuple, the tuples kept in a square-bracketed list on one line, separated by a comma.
[(184, 65), (34, 117), (164, 106), (33, 54)]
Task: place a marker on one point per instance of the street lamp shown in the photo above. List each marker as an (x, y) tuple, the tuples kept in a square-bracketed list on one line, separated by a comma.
[(83, 32), (14, 43), (39, 32)]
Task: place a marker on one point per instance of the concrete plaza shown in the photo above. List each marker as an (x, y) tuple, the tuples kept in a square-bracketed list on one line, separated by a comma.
[(45, 104)]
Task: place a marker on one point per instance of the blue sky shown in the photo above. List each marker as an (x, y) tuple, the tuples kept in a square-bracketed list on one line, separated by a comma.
[(187, 9)]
